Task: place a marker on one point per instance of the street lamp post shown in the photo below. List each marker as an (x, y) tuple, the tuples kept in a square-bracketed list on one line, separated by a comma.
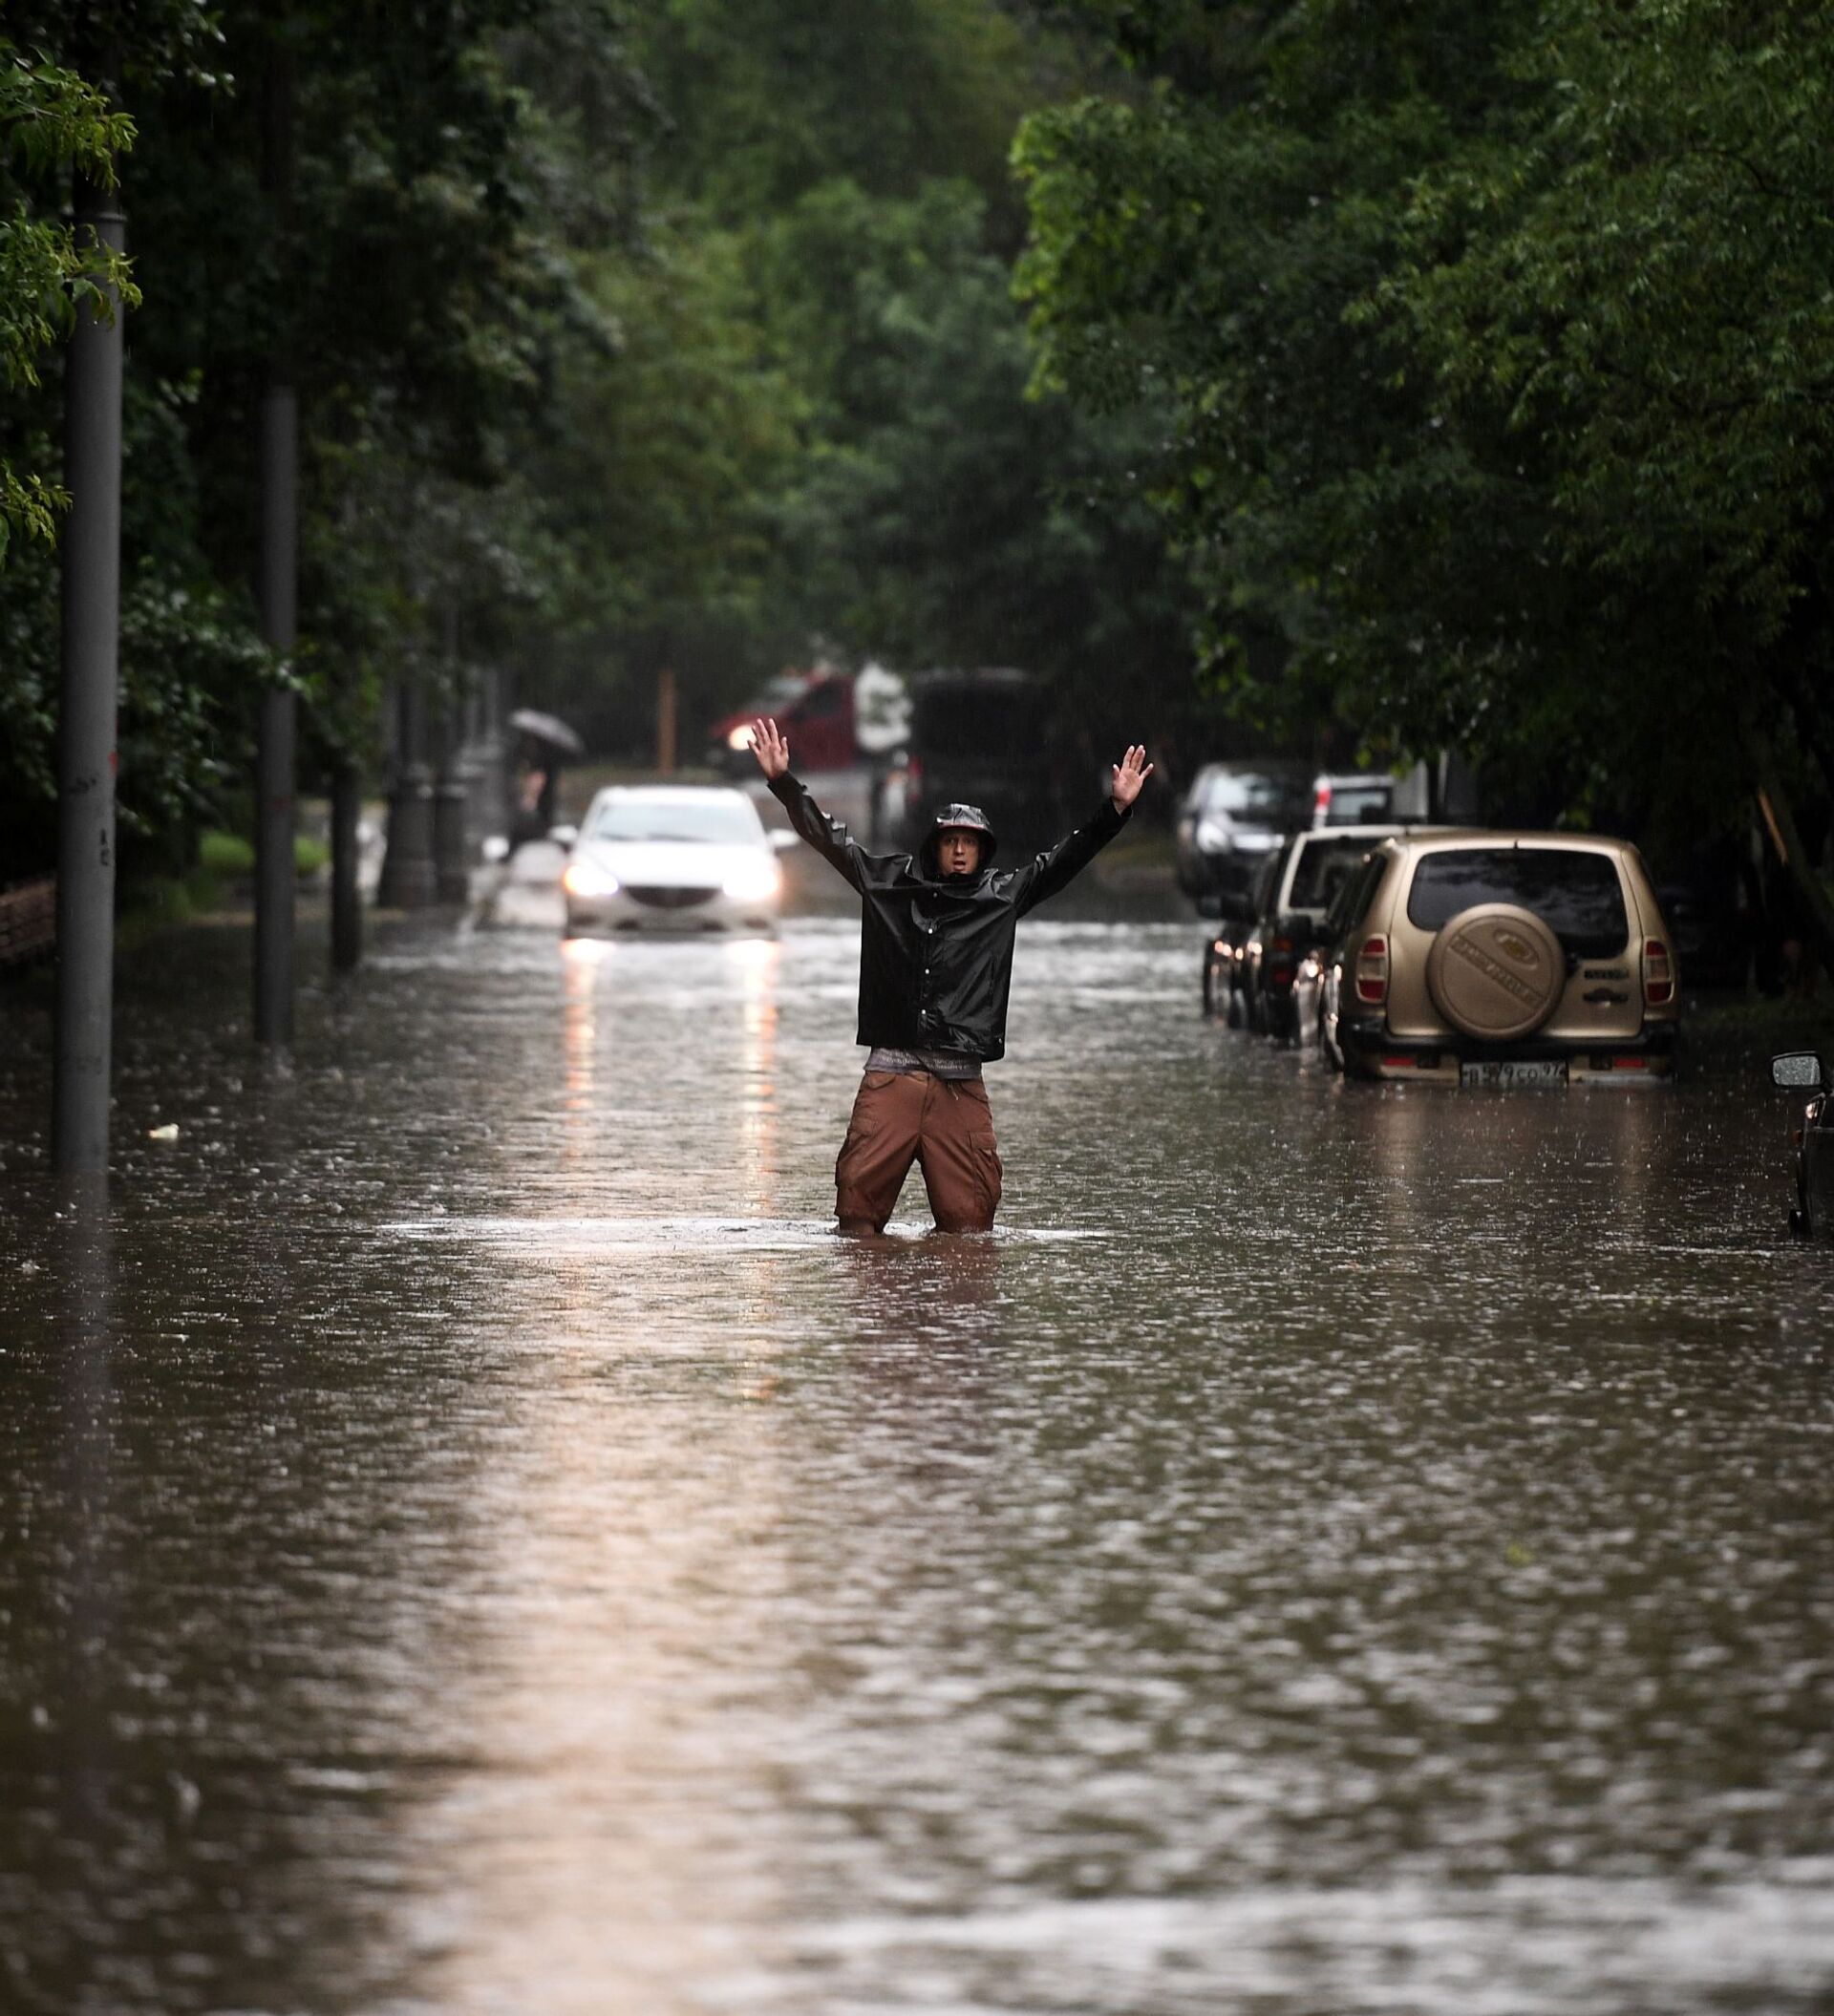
[(86, 755)]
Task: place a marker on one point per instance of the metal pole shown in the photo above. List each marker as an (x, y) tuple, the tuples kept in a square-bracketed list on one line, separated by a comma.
[(451, 876), (86, 757), (409, 881), (278, 736)]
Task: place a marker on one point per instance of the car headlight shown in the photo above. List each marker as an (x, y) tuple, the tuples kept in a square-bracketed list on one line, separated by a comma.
[(1212, 835), (739, 738), (588, 879), (754, 883)]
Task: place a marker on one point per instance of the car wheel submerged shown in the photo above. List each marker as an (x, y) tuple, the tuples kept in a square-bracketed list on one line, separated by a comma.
[(1495, 972)]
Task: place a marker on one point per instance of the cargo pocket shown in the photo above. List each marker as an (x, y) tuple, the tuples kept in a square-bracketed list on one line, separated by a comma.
[(988, 1165), (862, 1123)]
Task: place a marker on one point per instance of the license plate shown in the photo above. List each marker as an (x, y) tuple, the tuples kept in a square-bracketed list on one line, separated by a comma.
[(1551, 1072)]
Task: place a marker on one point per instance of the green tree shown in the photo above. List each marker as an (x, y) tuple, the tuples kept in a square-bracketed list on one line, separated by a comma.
[(1200, 244), (448, 161), (1491, 357), (813, 435), (1634, 281), (51, 122), (941, 515)]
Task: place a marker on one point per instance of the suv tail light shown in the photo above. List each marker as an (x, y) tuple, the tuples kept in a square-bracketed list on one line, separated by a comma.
[(1321, 799), (1658, 973), (1280, 962), (1371, 972)]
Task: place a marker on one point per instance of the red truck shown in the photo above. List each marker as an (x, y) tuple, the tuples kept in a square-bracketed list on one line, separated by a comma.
[(814, 710)]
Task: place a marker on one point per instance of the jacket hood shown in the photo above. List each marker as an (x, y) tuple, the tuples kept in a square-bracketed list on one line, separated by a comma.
[(968, 819)]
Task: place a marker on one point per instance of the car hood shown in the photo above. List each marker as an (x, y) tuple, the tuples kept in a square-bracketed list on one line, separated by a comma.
[(671, 864)]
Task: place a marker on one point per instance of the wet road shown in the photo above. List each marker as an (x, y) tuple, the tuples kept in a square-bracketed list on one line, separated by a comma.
[(472, 1540)]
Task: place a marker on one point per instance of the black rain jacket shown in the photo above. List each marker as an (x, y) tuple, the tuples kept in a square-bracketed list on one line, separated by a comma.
[(936, 957)]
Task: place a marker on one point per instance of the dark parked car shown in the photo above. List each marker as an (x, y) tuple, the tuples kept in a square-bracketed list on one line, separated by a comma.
[(1307, 877), (1219, 960), (1231, 820), (1227, 939), (1812, 1215)]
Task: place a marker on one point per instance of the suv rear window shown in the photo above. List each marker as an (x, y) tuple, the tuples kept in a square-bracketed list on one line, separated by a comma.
[(1576, 893)]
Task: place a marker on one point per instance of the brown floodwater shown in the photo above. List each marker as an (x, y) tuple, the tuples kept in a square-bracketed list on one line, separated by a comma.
[(472, 1539)]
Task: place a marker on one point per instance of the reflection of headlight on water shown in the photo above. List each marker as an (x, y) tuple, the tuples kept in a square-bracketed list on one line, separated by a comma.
[(754, 883), (739, 738), (585, 879)]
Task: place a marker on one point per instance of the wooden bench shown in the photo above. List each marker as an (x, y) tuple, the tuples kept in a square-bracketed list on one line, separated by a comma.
[(28, 920)]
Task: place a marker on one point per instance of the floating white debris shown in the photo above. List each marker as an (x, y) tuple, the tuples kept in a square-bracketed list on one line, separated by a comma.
[(168, 1133)]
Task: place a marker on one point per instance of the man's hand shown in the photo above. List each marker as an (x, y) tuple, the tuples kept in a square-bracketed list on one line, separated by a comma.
[(1130, 773), (771, 752)]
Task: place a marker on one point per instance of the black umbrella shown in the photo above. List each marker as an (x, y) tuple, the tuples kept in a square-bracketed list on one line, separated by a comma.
[(546, 728)]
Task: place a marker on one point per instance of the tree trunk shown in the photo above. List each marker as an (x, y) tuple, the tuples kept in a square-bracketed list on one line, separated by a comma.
[(277, 741), (1816, 906)]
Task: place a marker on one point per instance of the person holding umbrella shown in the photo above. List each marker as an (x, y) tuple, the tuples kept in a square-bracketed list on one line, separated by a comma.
[(544, 743), (936, 942)]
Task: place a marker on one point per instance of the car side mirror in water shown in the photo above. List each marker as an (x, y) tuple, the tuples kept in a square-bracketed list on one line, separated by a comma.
[(1797, 1071), (782, 839)]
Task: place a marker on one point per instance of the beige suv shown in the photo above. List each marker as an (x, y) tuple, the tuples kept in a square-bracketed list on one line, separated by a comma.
[(1502, 958)]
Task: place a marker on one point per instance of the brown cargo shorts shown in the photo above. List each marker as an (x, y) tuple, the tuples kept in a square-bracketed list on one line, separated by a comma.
[(945, 1125)]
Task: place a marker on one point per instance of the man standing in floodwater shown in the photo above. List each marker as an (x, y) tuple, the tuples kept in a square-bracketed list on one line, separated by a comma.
[(935, 968)]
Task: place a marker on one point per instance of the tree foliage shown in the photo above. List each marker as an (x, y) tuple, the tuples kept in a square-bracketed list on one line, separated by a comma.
[(363, 202), (1493, 355), (677, 337), (51, 122), (832, 233)]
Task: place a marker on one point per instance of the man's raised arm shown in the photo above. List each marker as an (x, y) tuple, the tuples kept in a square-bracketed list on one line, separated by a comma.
[(1051, 871), (828, 836)]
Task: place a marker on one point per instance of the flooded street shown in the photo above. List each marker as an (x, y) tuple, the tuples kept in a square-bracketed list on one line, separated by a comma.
[(472, 1539)]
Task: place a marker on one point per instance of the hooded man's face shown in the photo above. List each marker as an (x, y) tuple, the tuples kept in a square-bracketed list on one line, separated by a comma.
[(958, 852)]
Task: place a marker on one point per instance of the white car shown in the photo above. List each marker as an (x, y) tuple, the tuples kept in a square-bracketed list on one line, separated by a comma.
[(672, 858)]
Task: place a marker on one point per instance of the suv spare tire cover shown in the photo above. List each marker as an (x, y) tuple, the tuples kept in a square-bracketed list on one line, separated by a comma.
[(1495, 971)]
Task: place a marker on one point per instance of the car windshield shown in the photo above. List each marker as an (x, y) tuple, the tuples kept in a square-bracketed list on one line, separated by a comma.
[(713, 821), (1575, 892), (1248, 795), (1323, 867), (1350, 804)]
